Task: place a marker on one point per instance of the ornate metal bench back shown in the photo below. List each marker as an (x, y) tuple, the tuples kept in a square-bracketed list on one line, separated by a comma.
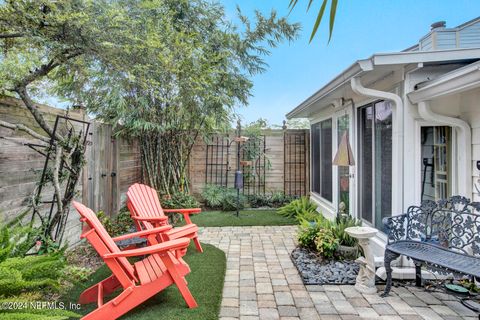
[(453, 223)]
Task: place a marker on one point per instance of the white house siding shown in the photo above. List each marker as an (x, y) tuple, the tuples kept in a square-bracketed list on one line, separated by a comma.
[(446, 40), (469, 37), (426, 43), (470, 112)]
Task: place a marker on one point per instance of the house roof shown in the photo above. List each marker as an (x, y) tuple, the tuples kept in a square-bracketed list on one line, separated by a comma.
[(456, 81), (458, 28), (379, 65)]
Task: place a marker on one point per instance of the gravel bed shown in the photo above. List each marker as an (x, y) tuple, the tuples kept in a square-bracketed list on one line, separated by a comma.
[(315, 270)]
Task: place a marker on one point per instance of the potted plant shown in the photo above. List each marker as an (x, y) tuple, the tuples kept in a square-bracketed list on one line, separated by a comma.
[(347, 245)]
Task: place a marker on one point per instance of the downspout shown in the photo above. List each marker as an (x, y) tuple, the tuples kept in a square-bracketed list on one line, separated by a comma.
[(464, 142), (397, 138)]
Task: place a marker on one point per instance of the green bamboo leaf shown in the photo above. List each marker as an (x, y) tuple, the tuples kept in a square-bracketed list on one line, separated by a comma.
[(292, 5), (333, 13), (309, 4), (319, 19)]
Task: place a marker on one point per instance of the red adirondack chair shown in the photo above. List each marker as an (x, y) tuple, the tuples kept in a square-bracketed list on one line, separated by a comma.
[(139, 281), (147, 213)]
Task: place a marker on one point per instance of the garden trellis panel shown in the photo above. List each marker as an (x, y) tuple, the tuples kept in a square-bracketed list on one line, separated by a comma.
[(217, 165), (295, 162), (209, 163)]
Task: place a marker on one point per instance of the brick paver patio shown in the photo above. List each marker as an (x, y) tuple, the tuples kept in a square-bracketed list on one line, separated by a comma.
[(261, 282)]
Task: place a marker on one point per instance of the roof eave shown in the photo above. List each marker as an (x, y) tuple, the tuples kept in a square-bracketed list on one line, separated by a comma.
[(456, 81), (382, 59), (354, 70)]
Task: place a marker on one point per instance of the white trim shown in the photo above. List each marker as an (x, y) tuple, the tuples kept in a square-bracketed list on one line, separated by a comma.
[(397, 139), (418, 158), (323, 204), (380, 59), (463, 145), (456, 81)]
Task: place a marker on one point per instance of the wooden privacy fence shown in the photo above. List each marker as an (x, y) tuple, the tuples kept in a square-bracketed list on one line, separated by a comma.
[(113, 164), (283, 165)]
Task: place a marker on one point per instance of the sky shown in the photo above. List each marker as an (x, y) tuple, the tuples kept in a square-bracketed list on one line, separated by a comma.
[(296, 70)]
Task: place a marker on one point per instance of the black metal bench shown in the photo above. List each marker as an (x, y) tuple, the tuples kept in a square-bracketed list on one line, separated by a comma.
[(443, 236)]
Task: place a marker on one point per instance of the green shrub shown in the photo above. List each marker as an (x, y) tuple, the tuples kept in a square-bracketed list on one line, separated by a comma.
[(279, 199), (339, 230), (16, 240), (180, 200), (259, 200), (221, 198), (75, 274), (308, 230), (120, 224), (213, 196), (326, 243), (298, 208), (230, 201)]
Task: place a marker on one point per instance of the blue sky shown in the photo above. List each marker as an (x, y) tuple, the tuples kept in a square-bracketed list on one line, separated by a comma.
[(298, 69)]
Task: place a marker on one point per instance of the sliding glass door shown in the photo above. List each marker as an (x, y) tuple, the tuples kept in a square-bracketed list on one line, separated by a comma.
[(375, 162)]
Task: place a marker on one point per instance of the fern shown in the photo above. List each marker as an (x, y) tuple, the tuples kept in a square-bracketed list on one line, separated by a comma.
[(300, 208)]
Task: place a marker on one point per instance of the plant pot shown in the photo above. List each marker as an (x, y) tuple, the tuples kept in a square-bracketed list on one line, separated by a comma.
[(347, 251)]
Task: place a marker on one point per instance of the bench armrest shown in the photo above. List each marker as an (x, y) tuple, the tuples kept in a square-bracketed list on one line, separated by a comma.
[(156, 248), (395, 227), (143, 233)]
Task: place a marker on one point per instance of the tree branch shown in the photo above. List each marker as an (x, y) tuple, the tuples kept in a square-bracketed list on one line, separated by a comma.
[(56, 180), (11, 35), (19, 126), (22, 92)]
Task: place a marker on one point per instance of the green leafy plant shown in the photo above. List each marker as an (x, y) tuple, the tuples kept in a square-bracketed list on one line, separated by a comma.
[(213, 196), (259, 200), (297, 208), (180, 200), (279, 198), (18, 274), (339, 231), (120, 224), (326, 243), (308, 230), (221, 198), (230, 202)]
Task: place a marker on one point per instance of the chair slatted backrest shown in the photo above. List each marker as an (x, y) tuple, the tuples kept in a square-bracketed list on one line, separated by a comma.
[(143, 202), (92, 220)]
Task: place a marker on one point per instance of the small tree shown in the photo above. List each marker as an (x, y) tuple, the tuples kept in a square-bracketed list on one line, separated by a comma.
[(45, 43), (187, 69)]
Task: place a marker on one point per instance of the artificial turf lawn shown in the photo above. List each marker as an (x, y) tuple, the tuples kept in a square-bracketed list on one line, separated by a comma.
[(205, 281), (246, 218)]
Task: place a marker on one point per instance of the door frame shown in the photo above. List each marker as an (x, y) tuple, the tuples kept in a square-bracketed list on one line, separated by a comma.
[(418, 158)]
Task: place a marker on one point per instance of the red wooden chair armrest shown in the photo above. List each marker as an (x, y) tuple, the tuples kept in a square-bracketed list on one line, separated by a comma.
[(143, 233), (184, 211), (156, 248), (161, 219)]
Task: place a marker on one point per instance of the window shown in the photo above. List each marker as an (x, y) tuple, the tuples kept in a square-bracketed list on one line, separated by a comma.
[(322, 159), (315, 131), (343, 172), (375, 147)]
